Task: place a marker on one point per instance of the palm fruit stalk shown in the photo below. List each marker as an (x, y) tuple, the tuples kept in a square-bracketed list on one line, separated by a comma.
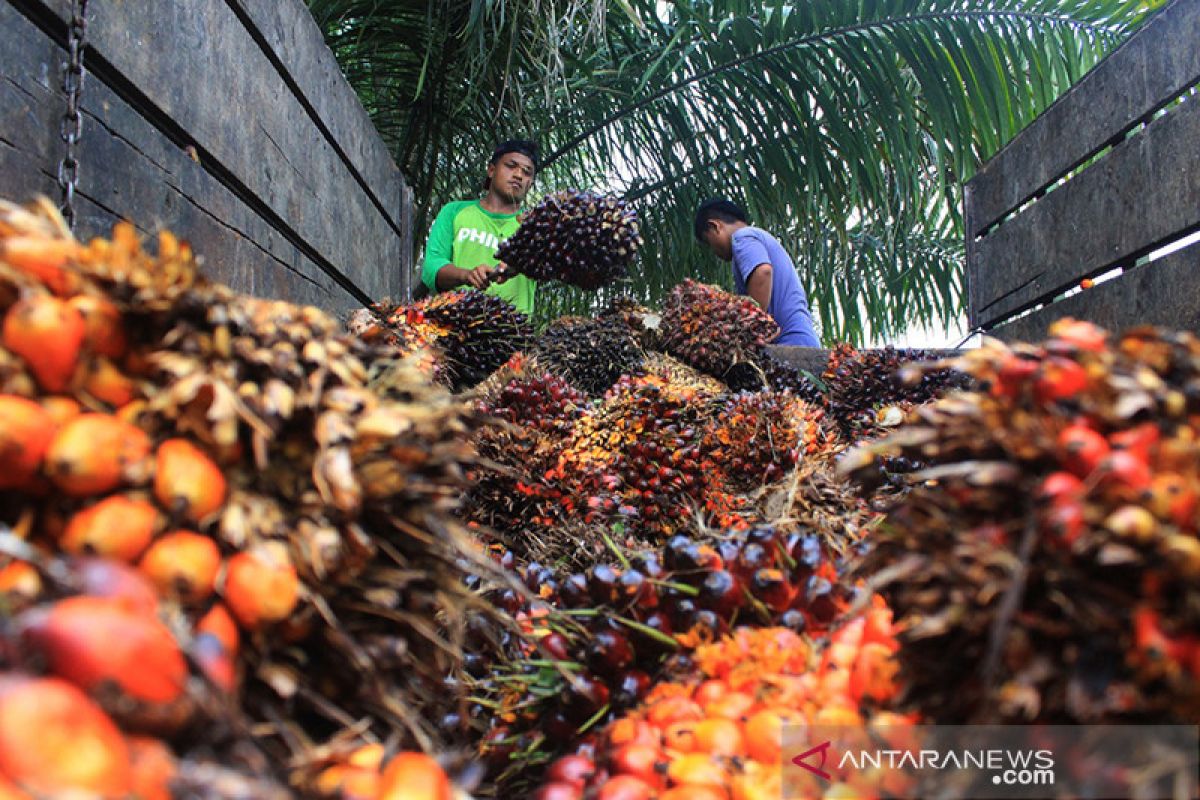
[(645, 324), (284, 501), (711, 329), (1044, 566), (717, 729), (583, 239), (590, 354)]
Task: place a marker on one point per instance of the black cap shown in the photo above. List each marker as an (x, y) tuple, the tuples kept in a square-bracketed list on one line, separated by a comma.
[(522, 146)]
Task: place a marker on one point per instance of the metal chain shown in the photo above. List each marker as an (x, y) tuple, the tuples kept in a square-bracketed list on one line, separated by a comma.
[(72, 121)]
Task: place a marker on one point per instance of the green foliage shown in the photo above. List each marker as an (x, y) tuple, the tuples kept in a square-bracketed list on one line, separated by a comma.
[(846, 128)]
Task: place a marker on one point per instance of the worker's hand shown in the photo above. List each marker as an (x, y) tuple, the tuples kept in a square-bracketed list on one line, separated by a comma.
[(481, 276), (501, 273)]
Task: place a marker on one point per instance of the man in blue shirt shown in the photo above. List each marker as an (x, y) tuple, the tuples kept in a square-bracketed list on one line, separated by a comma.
[(762, 269)]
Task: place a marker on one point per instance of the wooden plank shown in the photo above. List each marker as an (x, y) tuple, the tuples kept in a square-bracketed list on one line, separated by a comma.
[(1151, 68), (814, 360), (1162, 292), (1144, 194), (291, 34), (195, 65), (130, 170)]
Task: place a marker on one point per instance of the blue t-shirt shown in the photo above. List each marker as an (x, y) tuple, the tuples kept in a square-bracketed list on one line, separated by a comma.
[(789, 305)]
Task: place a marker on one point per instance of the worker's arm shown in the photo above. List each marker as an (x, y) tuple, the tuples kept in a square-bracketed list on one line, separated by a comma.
[(439, 273), (759, 285)]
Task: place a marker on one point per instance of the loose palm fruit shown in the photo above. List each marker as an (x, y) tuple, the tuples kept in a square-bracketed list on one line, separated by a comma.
[(61, 409), (625, 787), (215, 647), (26, 430), (414, 776), (187, 481), (103, 381), (183, 563), (153, 768), (55, 740), (48, 334), (573, 770), (104, 577), (94, 453), (118, 527), (93, 640), (261, 586), (19, 579), (104, 325), (43, 259)]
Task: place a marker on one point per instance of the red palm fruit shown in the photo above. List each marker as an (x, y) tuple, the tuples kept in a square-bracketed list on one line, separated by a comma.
[(104, 577), (10, 791), (219, 623), (93, 640), (153, 767), (103, 381), (1059, 484), (873, 675), (557, 646), (261, 586), (1059, 379), (103, 323), (61, 409), (117, 527), (631, 686), (628, 730), (94, 453), (349, 782), (1073, 334), (1014, 372), (187, 481), (184, 564), (572, 770), (625, 787), (695, 793), (1065, 521), (1125, 471), (414, 776), (609, 652), (43, 259), (26, 430), (641, 761), (559, 791), (1140, 440), (55, 740), (48, 334), (584, 697), (1081, 449)]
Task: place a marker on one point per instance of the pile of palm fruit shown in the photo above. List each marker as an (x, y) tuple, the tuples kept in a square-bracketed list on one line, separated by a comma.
[(228, 559)]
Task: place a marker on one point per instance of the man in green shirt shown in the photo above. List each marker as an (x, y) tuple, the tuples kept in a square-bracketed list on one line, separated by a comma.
[(461, 250)]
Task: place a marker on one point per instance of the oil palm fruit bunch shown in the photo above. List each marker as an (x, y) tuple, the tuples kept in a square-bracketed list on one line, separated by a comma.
[(481, 333), (406, 331), (645, 324), (583, 239), (867, 390), (766, 371), (757, 438), (636, 457), (536, 412), (710, 329), (1045, 565), (719, 731), (243, 457), (590, 353)]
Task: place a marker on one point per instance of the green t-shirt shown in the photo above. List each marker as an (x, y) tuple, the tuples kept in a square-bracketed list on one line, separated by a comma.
[(466, 235)]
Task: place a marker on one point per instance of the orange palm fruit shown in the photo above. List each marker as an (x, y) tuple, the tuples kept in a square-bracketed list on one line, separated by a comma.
[(219, 623), (694, 793), (55, 740), (43, 259), (764, 733), (187, 481), (118, 527), (61, 409), (103, 324), (20, 579), (115, 580), (95, 453), (93, 640), (674, 709), (874, 673), (215, 647), (153, 768), (719, 737), (261, 586), (697, 769), (48, 334), (103, 381), (9, 791), (641, 761), (414, 776), (625, 787), (628, 730), (733, 705), (347, 782), (184, 564), (26, 430)]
